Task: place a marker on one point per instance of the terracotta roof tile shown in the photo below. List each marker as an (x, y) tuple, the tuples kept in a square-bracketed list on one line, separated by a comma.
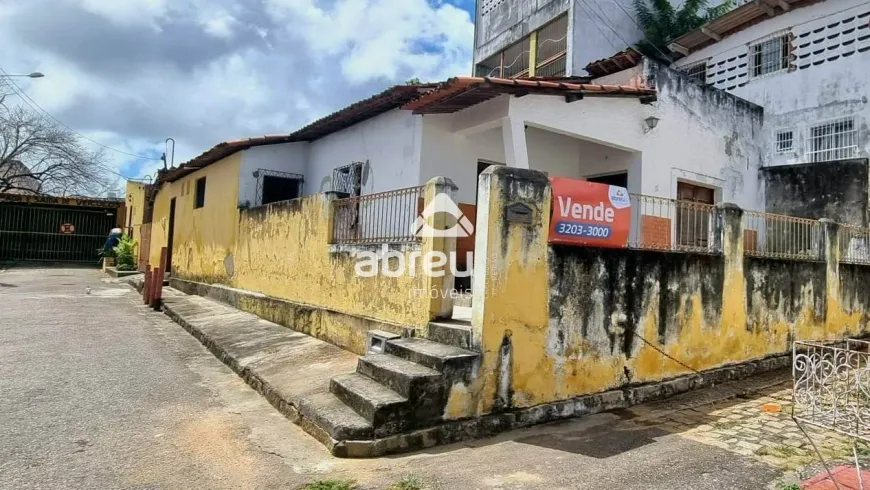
[(359, 111), (450, 96), (623, 60), (462, 92)]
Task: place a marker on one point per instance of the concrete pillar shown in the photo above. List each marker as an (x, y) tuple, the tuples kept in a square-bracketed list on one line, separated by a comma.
[(734, 312), (731, 237), (328, 198), (443, 219), (516, 151), (511, 270), (829, 247)]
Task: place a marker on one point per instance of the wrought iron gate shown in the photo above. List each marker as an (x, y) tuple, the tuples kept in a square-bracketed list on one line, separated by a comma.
[(44, 232)]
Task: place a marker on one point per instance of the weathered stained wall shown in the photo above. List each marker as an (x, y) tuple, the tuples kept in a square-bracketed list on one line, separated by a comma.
[(828, 79), (501, 23), (724, 131), (282, 250), (833, 190), (558, 322)]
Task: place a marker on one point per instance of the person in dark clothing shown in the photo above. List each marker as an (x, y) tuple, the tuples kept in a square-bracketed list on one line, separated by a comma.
[(111, 242)]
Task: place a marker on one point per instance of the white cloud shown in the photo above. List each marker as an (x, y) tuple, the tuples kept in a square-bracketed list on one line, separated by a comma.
[(218, 23), (127, 12), (380, 39), (131, 73)]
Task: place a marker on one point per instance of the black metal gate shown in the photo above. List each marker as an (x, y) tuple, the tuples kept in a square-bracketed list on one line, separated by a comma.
[(53, 233)]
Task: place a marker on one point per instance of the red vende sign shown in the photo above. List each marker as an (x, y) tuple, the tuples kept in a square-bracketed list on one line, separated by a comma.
[(586, 213)]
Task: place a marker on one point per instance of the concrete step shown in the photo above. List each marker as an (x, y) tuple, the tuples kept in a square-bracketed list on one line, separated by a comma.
[(455, 333), (385, 409), (406, 378), (445, 358), (329, 413)]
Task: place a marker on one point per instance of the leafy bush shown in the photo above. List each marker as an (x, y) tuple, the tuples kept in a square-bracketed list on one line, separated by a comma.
[(125, 253)]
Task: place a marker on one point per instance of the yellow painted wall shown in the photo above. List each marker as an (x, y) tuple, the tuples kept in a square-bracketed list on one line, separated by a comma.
[(135, 212), (546, 338), (203, 237), (283, 252)]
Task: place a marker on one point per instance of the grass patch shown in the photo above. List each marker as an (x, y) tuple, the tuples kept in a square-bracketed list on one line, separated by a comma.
[(863, 449), (781, 451), (408, 483), (788, 486), (330, 485)]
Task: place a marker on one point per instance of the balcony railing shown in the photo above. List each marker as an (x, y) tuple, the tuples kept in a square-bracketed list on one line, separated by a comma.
[(854, 244), (783, 237), (668, 224)]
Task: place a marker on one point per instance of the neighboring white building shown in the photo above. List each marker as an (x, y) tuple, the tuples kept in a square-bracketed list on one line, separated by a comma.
[(807, 66)]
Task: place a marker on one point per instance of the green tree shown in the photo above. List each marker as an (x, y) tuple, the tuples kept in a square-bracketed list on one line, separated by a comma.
[(661, 22)]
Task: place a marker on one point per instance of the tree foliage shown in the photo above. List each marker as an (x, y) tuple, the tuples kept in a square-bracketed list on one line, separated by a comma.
[(661, 22), (39, 156)]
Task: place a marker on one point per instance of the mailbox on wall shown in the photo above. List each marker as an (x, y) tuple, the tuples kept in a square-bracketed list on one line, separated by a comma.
[(587, 213)]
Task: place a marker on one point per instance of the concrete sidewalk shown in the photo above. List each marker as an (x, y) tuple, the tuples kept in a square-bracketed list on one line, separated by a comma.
[(292, 370)]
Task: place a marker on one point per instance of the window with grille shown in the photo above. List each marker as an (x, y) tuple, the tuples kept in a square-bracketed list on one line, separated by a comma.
[(834, 140), (784, 141), (697, 71), (275, 186), (348, 179), (769, 56)]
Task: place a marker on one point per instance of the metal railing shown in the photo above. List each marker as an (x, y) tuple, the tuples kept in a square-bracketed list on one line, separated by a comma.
[(830, 388), (779, 236), (668, 224), (854, 244), (384, 217)]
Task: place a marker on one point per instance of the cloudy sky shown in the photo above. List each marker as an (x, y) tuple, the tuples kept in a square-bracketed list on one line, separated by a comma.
[(129, 73)]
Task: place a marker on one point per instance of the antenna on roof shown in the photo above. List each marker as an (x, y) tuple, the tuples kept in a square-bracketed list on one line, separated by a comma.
[(172, 156)]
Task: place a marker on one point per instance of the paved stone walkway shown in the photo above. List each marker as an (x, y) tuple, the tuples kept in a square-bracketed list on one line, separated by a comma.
[(732, 417)]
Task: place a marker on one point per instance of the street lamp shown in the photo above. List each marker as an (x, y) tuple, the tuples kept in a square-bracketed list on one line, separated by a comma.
[(35, 74)]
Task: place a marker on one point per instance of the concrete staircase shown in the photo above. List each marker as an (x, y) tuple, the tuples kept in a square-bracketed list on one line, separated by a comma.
[(401, 389), (393, 402)]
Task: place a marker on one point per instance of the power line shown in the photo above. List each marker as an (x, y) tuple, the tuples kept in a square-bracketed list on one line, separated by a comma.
[(38, 109), (585, 8), (606, 24)]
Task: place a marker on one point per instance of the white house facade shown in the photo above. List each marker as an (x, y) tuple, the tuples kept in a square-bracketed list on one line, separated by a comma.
[(806, 66)]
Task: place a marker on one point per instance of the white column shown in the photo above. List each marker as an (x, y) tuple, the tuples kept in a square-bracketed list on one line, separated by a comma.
[(516, 152), (635, 186)]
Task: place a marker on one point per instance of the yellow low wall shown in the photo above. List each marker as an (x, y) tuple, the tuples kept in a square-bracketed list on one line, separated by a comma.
[(283, 251), (554, 323)]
